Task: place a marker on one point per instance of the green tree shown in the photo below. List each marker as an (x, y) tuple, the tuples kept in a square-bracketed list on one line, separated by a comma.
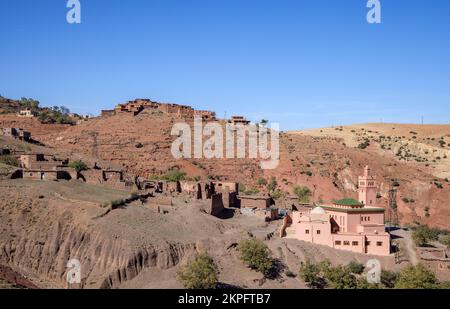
[(310, 273), (79, 166), (340, 278), (201, 273), (355, 267), (174, 175), (9, 160), (256, 255), (272, 185), (261, 181), (416, 277), (445, 240), (303, 194), (422, 235), (389, 278)]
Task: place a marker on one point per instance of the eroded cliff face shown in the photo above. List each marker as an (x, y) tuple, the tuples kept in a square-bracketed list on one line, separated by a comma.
[(40, 235)]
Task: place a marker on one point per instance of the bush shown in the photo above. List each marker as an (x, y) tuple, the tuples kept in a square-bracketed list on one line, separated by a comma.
[(340, 278), (389, 278), (174, 175), (251, 191), (9, 160), (355, 267), (256, 255), (303, 194), (277, 194), (261, 181), (310, 273), (272, 185), (79, 166), (445, 240), (422, 235), (290, 274), (201, 273), (117, 203), (416, 277)]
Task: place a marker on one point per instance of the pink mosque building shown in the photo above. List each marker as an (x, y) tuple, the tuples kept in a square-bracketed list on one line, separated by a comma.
[(347, 224)]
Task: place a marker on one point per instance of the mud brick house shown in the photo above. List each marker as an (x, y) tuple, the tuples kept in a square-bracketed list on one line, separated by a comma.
[(191, 188), (255, 201), (112, 178), (44, 167), (239, 120), (17, 133), (137, 106), (229, 191), (206, 115), (107, 112), (437, 260), (40, 162)]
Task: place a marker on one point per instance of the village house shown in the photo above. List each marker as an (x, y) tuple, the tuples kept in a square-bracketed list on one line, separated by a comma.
[(16, 133), (239, 120), (44, 167), (347, 224), (137, 106), (255, 201), (206, 115), (437, 260), (26, 113), (111, 178), (229, 191)]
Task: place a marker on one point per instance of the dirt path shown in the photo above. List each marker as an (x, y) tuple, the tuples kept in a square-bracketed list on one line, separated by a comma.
[(408, 246)]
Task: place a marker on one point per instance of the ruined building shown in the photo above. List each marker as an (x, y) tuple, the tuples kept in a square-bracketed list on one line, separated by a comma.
[(137, 106)]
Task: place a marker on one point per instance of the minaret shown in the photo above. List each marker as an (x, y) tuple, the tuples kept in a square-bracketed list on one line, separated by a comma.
[(368, 188)]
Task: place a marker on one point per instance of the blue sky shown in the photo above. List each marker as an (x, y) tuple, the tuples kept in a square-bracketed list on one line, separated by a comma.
[(302, 63)]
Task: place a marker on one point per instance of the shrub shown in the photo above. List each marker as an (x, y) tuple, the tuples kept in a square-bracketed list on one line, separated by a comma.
[(117, 203), (445, 240), (290, 274), (277, 194), (139, 145), (272, 185), (174, 175), (9, 160), (310, 273), (416, 277), (340, 278), (303, 194), (201, 273), (422, 235), (251, 191), (389, 278), (79, 166), (261, 181), (256, 255), (355, 267)]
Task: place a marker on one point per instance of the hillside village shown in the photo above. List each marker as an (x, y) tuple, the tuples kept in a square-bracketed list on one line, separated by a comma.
[(328, 197)]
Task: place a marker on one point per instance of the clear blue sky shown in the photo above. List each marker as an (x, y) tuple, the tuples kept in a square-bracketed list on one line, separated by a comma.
[(302, 63)]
